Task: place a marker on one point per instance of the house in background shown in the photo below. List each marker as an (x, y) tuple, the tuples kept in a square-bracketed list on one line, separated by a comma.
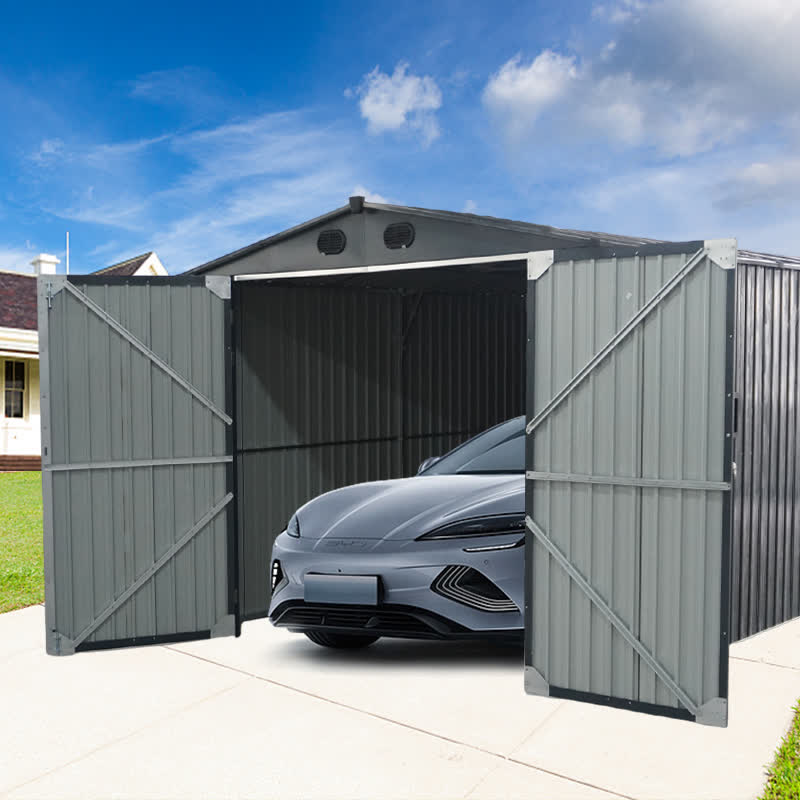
[(144, 265), (20, 443)]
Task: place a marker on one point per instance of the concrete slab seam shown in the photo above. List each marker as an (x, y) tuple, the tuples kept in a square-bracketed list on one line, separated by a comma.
[(766, 663), (391, 721), (119, 739)]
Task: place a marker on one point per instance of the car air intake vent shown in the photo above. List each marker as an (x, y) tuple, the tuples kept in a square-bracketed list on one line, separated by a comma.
[(398, 235), (384, 621), (471, 588), (331, 242)]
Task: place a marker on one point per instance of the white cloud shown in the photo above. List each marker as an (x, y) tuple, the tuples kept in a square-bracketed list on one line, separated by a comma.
[(400, 101), (519, 92), (680, 77), (193, 88), (370, 197), (239, 182), (48, 150), (760, 183), (701, 199), (17, 259)]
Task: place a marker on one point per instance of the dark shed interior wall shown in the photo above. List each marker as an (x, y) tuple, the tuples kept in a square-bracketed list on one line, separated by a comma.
[(766, 517), (343, 385)]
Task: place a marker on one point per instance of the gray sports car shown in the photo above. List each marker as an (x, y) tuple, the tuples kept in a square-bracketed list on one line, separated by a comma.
[(439, 555)]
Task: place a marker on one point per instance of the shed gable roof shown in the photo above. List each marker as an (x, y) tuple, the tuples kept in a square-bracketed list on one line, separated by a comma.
[(438, 235)]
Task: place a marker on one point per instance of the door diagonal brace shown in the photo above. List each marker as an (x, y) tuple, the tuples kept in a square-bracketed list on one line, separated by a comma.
[(615, 620), (150, 571), (147, 352), (618, 337)]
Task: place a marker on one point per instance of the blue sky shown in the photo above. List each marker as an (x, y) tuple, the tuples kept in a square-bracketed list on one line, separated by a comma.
[(194, 129)]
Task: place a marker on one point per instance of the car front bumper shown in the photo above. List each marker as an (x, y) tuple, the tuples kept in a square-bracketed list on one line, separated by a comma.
[(406, 570)]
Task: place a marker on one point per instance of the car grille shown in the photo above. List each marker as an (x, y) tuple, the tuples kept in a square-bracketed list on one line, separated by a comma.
[(471, 588), (358, 618)]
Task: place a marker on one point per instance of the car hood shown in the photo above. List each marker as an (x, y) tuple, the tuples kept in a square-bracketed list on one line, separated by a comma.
[(406, 508)]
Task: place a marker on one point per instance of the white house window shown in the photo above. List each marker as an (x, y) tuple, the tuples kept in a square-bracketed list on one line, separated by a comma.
[(15, 390)]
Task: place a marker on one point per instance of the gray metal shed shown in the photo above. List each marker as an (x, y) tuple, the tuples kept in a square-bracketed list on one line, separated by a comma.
[(184, 419)]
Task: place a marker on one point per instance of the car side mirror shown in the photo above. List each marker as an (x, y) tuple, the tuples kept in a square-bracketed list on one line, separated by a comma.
[(428, 462)]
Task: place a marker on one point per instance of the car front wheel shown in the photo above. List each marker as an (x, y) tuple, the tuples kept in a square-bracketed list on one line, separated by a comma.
[(346, 641)]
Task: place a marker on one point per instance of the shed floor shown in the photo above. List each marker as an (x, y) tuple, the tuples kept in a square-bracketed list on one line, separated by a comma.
[(272, 715)]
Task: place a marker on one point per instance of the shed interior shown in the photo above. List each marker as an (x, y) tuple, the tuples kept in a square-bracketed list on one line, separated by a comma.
[(361, 376)]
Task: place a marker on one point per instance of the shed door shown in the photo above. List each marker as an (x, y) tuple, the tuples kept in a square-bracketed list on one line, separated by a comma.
[(136, 460), (629, 477)]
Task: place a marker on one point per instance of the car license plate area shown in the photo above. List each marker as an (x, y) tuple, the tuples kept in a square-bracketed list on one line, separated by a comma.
[(357, 590)]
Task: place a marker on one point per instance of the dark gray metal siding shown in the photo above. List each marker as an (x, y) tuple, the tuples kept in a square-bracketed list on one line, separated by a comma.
[(343, 385), (766, 522)]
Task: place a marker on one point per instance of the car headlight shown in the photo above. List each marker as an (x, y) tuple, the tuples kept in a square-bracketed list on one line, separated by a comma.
[(276, 575), (479, 526), (293, 527)]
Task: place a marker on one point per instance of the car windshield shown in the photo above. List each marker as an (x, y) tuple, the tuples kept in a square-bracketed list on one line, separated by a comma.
[(499, 450)]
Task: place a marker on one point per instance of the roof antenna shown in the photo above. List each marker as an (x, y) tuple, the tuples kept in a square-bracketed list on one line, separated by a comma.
[(67, 259)]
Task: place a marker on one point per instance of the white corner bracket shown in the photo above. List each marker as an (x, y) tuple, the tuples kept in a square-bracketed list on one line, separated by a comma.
[(539, 263), (220, 285), (722, 252)]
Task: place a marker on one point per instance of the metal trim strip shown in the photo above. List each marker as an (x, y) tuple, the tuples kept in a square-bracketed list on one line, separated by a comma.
[(646, 483), (620, 702), (139, 641), (135, 463), (448, 262)]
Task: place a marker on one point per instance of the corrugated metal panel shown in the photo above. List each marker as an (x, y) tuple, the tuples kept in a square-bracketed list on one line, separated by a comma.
[(653, 410), (344, 385), (106, 402), (766, 533)]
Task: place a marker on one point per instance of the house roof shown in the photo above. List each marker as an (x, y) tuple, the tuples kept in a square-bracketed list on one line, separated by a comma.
[(125, 268), (18, 301), (18, 292)]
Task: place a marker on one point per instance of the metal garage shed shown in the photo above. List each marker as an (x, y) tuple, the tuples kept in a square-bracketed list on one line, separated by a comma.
[(184, 419)]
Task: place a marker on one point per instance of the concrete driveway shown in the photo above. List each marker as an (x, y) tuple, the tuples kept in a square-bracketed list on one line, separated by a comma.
[(272, 715)]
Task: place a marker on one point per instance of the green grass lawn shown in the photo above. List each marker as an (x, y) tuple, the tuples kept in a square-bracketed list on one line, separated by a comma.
[(783, 782), (21, 561)]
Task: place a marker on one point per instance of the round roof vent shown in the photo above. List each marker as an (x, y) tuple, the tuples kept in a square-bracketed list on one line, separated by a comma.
[(331, 242), (398, 235)]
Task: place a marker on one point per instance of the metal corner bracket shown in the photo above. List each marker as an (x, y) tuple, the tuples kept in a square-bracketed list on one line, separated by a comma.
[(539, 263), (714, 713), (225, 626), (723, 252), (535, 683), (59, 645), (220, 285), (48, 286)]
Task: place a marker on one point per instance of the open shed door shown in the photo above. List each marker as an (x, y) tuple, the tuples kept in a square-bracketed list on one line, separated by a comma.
[(629, 477), (137, 469)]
